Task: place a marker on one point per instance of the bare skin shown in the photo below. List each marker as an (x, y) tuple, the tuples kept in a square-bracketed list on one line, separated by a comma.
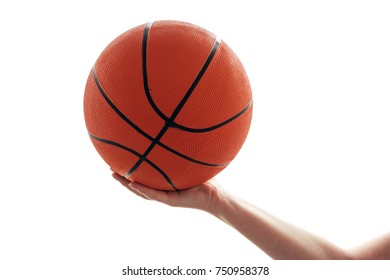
[(277, 238)]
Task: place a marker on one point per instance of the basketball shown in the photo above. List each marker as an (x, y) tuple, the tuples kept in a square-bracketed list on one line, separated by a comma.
[(168, 104)]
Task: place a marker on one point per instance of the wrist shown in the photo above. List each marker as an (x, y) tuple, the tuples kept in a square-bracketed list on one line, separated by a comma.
[(220, 200)]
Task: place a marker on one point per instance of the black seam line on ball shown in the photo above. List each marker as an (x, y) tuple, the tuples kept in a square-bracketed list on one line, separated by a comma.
[(200, 130), (116, 108), (145, 73), (112, 105), (191, 159), (195, 83), (148, 150), (152, 164), (181, 104)]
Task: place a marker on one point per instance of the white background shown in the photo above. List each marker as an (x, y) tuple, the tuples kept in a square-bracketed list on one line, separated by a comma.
[(317, 154)]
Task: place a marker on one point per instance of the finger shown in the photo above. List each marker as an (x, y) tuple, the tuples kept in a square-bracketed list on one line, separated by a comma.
[(136, 192), (126, 183), (152, 194), (121, 179)]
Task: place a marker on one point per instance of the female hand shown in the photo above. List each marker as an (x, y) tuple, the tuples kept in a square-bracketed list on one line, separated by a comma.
[(202, 197)]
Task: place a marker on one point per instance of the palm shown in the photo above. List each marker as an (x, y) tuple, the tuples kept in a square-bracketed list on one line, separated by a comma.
[(199, 197)]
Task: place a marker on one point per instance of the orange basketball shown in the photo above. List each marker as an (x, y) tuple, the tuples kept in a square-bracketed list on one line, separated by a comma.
[(168, 105)]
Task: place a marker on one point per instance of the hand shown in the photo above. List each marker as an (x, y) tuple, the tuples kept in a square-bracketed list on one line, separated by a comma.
[(202, 197)]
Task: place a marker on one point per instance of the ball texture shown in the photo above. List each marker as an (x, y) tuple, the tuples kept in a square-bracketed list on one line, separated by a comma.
[(168, 105)]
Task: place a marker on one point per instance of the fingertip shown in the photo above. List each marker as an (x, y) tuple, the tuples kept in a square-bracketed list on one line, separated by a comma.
[(137, 188), (115, 175), (134, 186), (118, 177)]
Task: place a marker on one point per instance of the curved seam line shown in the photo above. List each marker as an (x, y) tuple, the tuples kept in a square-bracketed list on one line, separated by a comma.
[(127, 120), (145, 73), (143, 133), (152, 164), (200, 130), (181, 104), (191, 159)]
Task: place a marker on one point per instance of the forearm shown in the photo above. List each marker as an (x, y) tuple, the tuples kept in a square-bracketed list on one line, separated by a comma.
[(275, 237), (280, 240)]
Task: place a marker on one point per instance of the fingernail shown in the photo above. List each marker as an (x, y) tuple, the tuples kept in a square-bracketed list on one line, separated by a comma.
[(133, 185)]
